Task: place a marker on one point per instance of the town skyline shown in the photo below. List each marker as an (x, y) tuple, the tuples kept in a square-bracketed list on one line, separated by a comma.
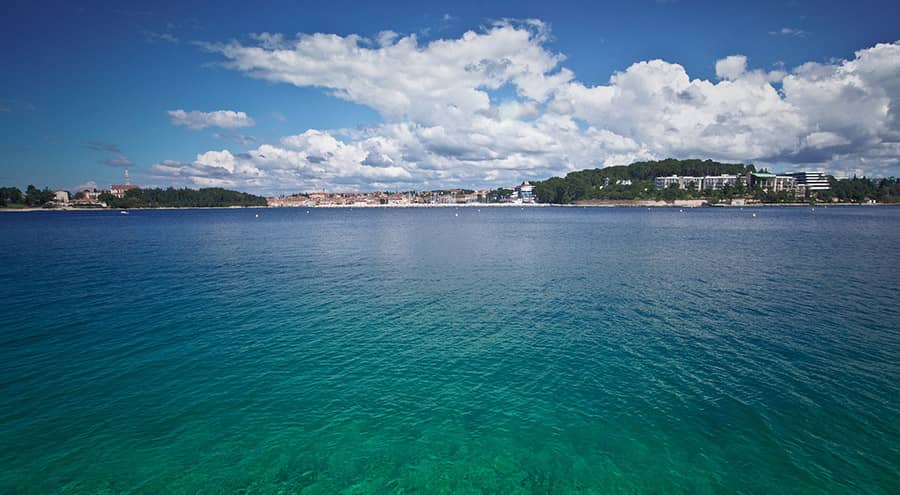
[(649, 183)]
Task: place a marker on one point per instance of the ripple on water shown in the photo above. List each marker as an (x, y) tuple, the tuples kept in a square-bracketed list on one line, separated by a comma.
[(390, 351)]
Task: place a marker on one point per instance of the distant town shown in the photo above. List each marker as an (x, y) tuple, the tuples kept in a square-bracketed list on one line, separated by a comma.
[(516, 195), (655, 183), (799, 185)]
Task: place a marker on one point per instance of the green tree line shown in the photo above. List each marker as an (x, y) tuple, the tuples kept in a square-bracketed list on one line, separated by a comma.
[(600, 183), (10, 196), (173, 198), (860, 189), (33, 197)]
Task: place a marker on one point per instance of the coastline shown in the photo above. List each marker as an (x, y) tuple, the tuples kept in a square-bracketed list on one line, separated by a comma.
[(133, 209), (580, 204)]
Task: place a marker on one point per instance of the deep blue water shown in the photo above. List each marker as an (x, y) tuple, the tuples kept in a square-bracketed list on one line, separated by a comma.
[(544, 350)]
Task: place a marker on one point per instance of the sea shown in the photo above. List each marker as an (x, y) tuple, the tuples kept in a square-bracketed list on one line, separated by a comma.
[(442, 350)]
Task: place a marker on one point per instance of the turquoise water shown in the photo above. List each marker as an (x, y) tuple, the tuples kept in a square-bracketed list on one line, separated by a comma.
[(545, 350)]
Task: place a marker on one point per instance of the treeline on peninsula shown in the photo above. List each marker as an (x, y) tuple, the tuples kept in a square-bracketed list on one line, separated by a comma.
[(182, 198), (632, 182), (635, 182), (32, 197), (859, 189), (13, 197)]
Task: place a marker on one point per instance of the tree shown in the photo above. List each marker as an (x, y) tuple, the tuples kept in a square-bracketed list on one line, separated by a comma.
[(37, 197), (672, 193), (10, 195), (499, 194)]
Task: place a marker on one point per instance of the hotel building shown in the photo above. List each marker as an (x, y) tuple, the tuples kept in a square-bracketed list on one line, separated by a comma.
[(812, 181)]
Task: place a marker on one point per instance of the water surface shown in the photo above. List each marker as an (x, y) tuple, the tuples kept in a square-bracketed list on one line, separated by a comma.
[(544, 350)]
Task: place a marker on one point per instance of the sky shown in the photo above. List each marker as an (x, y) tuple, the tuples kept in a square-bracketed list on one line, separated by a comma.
[(286, 97)]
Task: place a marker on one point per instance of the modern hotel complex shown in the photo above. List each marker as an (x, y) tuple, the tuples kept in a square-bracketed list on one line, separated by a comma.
[(812, 181), (800, 182)]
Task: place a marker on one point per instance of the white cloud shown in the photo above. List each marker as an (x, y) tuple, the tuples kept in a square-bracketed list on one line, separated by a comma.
[(824, 113), (402, 79), (731, 67), (788, 31), (226, 119), (386, 38), (89, 185), (658, 105), (444, 122), (819, 140)]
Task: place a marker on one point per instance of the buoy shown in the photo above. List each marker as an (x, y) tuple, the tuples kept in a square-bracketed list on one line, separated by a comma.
[(754, 215), (456, 214), (680, 211), (257, 215)]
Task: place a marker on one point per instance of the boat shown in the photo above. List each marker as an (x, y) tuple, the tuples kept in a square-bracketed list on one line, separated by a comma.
[(123, 212)]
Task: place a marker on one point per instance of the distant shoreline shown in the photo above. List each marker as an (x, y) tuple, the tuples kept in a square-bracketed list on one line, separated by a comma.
[(607, 204), (134, 209)]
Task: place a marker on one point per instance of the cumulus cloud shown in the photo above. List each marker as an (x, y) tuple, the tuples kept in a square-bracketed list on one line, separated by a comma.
[(226, 119), (314, 158), (400, 78), (844, 111), (731, 67), (444, 122)]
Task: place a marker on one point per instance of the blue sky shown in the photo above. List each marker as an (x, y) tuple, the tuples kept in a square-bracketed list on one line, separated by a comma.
[(88, 87)]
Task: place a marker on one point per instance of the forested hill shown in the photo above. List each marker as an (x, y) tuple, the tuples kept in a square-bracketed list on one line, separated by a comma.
[(171, 197), (600, 183)]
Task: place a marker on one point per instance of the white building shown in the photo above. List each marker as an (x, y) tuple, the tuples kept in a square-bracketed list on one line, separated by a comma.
[(666, 182), (91, 194), (785, 183), (812, 181), (718, 182), (525, 192), (771, 182), (61, 197), (682, 182), (119, 190)]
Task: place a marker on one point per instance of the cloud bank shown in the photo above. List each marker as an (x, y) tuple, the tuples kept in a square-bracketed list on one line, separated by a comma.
[(496, 106), (226, 119)]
